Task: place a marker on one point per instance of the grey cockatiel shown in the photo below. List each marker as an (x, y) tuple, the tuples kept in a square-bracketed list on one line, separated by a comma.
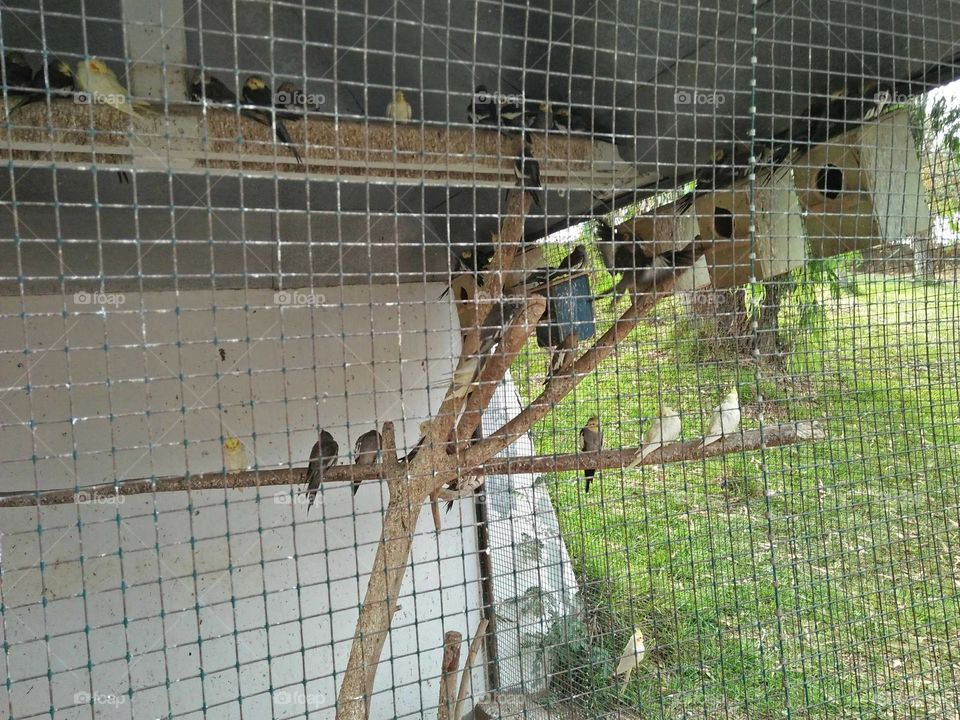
[(323, 455), (591, 440), (366, 451), (725, 420)]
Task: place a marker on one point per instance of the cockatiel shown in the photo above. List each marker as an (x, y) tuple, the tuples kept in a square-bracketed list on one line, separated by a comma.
[(542, 117), (206, 88), (94, 77), (399, 109), (615, 246), (61, 83), (725, 420), (591, 440), (323, 455), (664, 430), (512, 114), (17, 73), (366, 451), (256, 92), (631, 657), (649, 271), (566, 119)]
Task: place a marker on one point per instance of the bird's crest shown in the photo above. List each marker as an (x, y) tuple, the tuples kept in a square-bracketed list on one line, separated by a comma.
[(398, 96), (255, 82), (64, 68)]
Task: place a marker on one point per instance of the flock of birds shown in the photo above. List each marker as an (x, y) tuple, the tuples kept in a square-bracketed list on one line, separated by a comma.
[(638, 270)]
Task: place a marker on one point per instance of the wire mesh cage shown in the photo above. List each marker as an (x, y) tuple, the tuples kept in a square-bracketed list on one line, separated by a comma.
[(490, 360)]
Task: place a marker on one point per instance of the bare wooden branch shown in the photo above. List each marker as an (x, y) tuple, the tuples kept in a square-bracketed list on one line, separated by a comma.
[(467, 664), (559, 386), (449, 667), (773, 436), (496, 367)]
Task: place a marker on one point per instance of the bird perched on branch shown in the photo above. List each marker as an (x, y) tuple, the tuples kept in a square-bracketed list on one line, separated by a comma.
[(631, 657), (615, 246), (399, 109), (94, 77), (61, 83), (664, 430), (527, 170), (647, 271), (256, 92), (483, 109), (591, 440), (576, 260), (366, 451), (725, 420), (323, 456), (562, 355)]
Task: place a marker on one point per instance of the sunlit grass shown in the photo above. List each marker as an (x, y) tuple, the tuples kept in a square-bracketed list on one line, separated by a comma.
[(823, 578)]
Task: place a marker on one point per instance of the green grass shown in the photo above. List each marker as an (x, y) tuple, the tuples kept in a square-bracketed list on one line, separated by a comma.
[(815, 580)]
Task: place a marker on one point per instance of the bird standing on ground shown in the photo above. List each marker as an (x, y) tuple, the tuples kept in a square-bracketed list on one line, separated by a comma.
[(591, 440), (399, 109), (664, 430), (366, 451), (631, 657), (323, 456), (256, 92), (94, 77), (725, 420)]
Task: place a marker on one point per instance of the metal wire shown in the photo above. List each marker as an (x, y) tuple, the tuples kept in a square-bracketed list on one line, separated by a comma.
[(197, 279)]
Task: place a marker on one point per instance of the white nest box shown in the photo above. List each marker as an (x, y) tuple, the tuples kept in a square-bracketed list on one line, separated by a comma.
[(723, 219), (863, 189)]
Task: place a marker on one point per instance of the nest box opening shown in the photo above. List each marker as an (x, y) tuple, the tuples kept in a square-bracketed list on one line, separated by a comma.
[(830, 181), (723, 222)]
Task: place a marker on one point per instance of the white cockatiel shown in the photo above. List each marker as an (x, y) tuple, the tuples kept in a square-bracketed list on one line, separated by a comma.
[(664, 430), (725, 421), (631, 657), (399, 109), (95, 78)]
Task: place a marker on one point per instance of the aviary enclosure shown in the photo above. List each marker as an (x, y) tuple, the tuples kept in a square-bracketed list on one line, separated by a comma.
[(479, 359)]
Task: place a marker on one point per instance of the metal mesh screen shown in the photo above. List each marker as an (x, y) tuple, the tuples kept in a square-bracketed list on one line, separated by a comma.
[(401, 360)]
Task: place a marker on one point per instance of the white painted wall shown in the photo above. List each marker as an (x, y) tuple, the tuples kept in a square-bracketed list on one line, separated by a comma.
[(215, 582)]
